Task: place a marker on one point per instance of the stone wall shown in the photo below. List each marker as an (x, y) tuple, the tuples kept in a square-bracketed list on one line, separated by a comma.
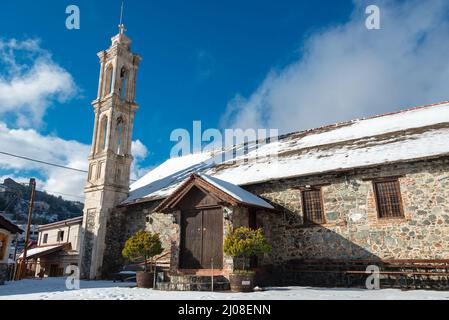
[(126, 221), (353, 229), (123, 222)]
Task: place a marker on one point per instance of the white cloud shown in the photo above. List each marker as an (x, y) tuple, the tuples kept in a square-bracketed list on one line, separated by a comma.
[(140, 152), (347, 71), (30, 82), (30, 143)]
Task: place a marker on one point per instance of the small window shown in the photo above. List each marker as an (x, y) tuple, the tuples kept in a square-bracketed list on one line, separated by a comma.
[(60, 236), (388, 198), (312, 205), (45, 238)]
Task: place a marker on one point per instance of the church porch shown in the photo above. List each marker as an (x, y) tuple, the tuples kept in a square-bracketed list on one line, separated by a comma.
[(203, 211)]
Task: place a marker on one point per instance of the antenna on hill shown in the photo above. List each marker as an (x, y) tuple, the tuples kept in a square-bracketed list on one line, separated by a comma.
[(121, 26)]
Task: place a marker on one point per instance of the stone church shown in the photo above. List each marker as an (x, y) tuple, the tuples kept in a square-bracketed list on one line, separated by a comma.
[(371, 189)]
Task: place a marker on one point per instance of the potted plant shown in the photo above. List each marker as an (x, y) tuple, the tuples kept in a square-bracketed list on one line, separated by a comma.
[(143, 245), (242, 243)]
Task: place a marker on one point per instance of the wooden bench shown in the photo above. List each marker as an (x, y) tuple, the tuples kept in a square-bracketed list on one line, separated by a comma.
[(408, 273)]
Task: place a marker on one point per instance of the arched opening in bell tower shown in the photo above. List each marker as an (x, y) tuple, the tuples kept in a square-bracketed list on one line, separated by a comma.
[(109, 77), (120, 135), (123, 83), (103, 133)]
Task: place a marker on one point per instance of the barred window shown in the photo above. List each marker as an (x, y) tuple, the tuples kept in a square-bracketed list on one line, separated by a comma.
[(312, 207), (388, 197)]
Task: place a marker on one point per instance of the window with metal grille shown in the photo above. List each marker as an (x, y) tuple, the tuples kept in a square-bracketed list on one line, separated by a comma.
[(312, 207), (388, 197)]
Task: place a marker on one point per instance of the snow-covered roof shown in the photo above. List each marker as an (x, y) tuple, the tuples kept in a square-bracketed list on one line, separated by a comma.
[(39, 251), (222, 191), (236, 192), (417, 133)]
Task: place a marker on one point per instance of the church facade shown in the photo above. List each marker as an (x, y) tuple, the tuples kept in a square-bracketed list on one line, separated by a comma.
[(373, 189)]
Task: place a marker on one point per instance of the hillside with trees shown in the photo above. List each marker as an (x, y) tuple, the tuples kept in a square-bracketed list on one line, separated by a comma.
[(14, 201)]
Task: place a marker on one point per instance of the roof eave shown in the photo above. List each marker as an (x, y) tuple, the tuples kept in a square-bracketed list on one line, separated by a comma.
[(340, 170)]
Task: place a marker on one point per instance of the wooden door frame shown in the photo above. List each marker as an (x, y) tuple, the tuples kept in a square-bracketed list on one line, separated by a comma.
[(205, 271)]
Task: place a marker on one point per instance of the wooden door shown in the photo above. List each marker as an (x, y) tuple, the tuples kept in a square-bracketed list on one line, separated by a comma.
[(201, 239), (191, 239), (212, 239)]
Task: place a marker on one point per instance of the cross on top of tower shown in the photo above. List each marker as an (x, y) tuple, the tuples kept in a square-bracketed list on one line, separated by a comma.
[(121, 26)]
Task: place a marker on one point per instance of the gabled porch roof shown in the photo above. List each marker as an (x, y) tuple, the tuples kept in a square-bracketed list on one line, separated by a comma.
[(224, 191)]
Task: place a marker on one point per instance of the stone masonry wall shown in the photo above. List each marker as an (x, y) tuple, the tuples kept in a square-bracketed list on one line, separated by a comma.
[(353, 229), (123, 222)]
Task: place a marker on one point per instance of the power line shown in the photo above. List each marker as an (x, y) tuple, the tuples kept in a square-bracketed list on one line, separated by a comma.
[(63, 194), (47, 163), (42, 162)]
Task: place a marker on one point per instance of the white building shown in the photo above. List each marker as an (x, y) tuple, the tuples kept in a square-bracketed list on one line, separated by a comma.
[(57, 247)]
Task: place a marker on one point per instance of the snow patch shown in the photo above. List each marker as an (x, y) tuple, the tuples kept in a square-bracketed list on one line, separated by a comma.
[(54, 289)]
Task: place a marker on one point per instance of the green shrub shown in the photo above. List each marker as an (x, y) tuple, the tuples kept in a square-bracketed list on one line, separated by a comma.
[(244, 242), (143, 245)]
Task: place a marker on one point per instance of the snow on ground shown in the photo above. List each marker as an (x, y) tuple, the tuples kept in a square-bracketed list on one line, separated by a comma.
[(54, 289)]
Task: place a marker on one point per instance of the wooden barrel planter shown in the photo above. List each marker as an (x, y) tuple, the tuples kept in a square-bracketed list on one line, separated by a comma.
[(242, 282), (145, 279)]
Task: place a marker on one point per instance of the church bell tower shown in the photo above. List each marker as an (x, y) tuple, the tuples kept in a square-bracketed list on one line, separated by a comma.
[(110, 158)]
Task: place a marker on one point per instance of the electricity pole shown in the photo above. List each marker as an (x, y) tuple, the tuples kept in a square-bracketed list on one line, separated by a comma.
[(23, 263)]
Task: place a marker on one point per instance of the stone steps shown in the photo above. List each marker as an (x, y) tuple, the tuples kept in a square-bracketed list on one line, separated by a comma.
[(194, 283)]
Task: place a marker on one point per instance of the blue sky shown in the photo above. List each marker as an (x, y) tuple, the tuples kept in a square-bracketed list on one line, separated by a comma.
[(290, 65), (197, 54)]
